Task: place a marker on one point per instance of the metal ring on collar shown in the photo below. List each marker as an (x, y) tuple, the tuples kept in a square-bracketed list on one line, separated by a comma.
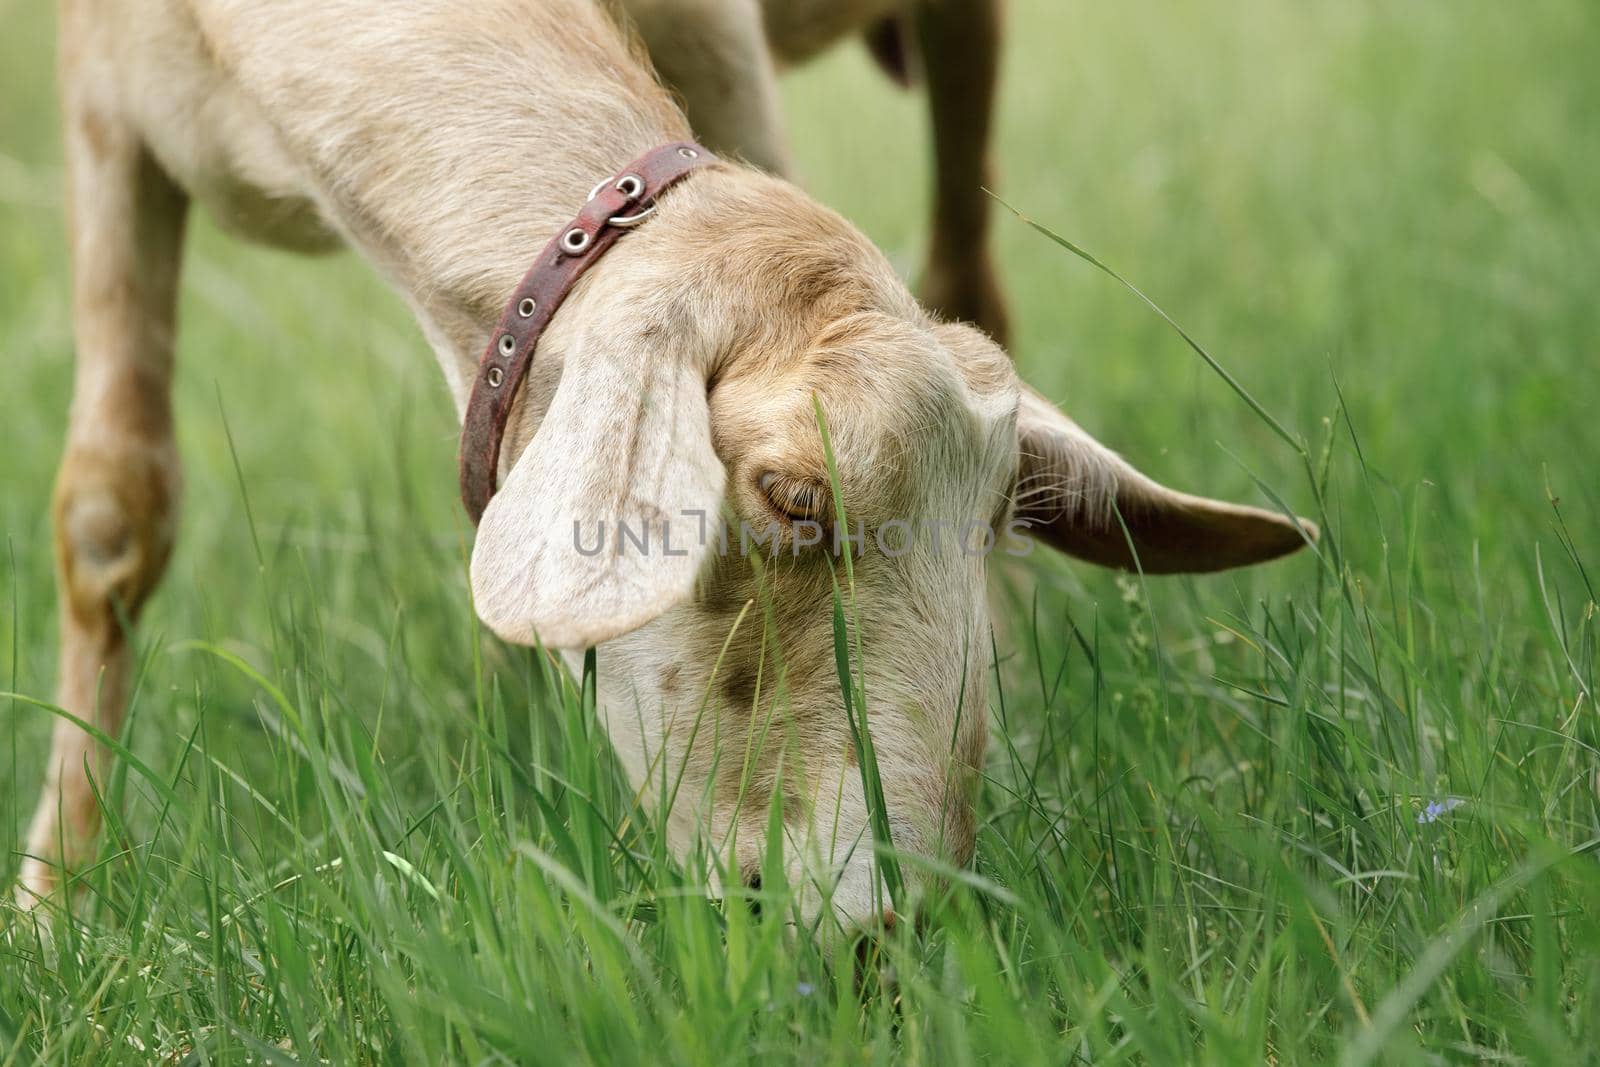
[(575, 240), (629, 185), (625, 221)]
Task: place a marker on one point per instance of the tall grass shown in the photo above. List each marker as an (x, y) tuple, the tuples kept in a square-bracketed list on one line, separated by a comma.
[(1343, 808)]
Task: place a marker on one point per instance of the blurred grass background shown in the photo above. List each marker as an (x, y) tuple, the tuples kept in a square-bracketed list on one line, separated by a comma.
[(1399, 200)]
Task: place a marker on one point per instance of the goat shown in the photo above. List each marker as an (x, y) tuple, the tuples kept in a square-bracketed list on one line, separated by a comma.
[(446, 143)]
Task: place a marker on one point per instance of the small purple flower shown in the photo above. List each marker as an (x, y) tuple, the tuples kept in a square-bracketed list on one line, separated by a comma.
[(805, 989), (1434, 811)]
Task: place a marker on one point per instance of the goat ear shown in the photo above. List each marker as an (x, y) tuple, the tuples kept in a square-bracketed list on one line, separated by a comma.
[(1071, 489), (623, 456)]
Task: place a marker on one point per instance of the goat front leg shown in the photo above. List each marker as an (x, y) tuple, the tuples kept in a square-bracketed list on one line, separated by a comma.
[(714, 55), (117, 488), (960, 46)]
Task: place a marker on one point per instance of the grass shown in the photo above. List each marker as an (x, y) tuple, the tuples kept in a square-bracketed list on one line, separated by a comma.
[(355, 829)]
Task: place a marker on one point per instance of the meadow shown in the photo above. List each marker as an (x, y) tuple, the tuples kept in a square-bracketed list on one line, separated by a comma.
[(1343, 808)]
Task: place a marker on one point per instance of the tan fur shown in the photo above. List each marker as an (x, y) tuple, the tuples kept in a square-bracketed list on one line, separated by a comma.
[(712, 53), (117, 487), (446, 143)]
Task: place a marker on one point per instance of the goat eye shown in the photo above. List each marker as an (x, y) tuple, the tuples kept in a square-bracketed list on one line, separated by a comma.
[(797, 498)]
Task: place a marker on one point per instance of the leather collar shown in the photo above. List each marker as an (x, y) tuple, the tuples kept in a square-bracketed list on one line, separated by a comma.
[(616, 205)]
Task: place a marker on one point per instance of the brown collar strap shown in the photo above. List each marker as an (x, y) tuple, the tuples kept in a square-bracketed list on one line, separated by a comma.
[(616, 205)]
